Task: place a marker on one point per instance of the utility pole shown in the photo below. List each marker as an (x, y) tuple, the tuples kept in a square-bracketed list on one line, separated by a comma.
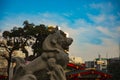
[(106, 55)]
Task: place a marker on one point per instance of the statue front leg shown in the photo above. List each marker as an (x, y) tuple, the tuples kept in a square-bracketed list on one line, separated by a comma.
[(55, 72), (28, 77)]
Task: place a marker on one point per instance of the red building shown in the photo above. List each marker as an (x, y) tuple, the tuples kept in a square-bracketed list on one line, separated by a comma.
[(80, 73)]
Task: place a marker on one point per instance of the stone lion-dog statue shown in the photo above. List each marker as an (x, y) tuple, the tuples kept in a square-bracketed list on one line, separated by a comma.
[(53, 59)]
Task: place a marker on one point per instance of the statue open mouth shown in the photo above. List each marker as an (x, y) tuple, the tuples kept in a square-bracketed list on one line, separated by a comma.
[(67, 43)]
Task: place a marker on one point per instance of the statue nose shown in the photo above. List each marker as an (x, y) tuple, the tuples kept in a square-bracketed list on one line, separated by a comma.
[(69, 41)]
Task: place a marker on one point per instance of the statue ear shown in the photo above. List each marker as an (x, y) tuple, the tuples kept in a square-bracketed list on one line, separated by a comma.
[(56, 28), (53, 41)]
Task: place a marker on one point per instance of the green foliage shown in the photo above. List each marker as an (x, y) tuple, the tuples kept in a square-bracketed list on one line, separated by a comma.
[(40, 32), (6, 34)]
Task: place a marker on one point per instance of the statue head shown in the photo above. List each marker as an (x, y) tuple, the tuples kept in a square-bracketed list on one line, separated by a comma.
[(59, 42), (61, 39), (64, 41)]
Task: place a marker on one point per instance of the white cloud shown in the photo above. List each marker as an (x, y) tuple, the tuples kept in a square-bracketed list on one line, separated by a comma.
[(67, 14), (92, 50), (0, 34), (104, 19), (104, 30), (103, 7), (105, 15), (113, 34), (96, 6), (118, 28), (97, 18)]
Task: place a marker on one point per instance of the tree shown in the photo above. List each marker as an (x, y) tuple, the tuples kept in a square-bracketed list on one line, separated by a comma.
[(6, 34), (41, 33)]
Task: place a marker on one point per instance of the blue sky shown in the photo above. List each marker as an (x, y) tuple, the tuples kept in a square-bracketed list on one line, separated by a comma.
[(93, 24)]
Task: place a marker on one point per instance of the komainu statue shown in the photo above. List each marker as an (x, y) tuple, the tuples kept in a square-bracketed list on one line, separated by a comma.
[(51, 63)]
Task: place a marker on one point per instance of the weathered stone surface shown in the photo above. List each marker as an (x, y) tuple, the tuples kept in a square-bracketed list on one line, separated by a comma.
[(52, 61)]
